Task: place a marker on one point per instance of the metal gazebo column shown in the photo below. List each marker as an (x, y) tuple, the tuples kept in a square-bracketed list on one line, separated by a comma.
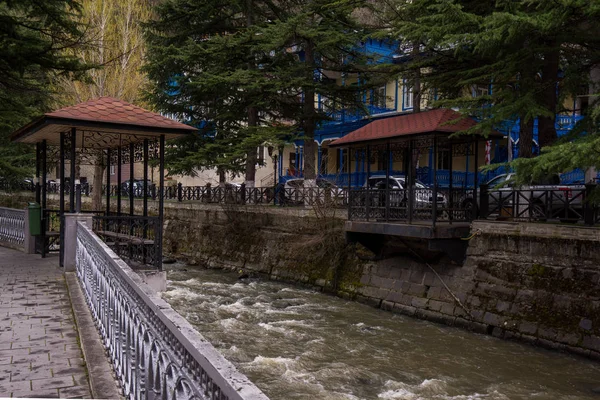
[(368, 199), (108, 182), (119, 170), (44, 195), (410, 181), (476, 177), (435, 181), (44, 187), (387, 181), (450, 184), (72, 181), (145, 198), (131, 193), (161, 200), (62, 194), (38, 162), (145, 185)]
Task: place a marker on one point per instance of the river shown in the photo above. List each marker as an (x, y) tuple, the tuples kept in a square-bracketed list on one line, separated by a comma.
[(295, 343)]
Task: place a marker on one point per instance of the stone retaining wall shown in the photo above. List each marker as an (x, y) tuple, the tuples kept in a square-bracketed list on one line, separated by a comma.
[(538, 283), (533, 282)]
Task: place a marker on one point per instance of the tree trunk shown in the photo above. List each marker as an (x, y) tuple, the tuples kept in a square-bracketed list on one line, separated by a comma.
[(99, 167), (222, 176), (251, 157), (416, 81), (309, 115), (252, 116), (546, 125), (525, 138)]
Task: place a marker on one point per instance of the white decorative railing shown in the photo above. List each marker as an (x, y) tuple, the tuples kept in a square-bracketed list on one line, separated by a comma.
[(155, 352), (12, 226)]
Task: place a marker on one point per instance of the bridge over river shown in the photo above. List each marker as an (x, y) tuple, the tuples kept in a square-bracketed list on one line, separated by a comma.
[(295, 343)]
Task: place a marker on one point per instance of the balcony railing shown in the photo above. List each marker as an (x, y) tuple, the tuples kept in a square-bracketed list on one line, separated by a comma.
[(342, 116)]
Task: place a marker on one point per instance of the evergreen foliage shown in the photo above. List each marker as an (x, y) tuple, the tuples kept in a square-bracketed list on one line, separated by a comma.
[(521, 49), (33, 37), (248, 72)]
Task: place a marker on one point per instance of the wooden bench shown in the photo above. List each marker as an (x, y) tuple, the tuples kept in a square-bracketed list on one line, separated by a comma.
[(125, 238)]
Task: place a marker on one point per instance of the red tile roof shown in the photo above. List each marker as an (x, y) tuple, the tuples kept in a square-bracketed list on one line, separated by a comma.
[(409, 124), (111, 110)]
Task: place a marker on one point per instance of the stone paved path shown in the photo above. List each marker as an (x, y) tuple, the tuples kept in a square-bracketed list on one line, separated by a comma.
[(39, 351)]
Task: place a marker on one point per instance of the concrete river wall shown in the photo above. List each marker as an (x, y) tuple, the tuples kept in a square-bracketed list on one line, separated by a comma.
[(538, 283), (533, 282)]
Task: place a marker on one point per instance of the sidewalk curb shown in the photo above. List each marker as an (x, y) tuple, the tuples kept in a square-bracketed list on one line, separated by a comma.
[(103, 383)]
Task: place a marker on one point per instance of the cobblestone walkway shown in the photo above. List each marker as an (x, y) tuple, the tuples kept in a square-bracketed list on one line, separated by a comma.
[(39, 351)]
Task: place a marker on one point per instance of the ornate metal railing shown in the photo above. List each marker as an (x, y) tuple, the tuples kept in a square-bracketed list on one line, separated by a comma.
[(417, 204), (155, 352), (134, 238), (536, 204), (12, 226)]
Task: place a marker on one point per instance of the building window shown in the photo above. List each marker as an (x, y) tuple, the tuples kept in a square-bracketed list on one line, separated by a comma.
[(407, 96), (342, 160), (112, 169), (324, 161), (479, 91), (443, 159), (380, 98)]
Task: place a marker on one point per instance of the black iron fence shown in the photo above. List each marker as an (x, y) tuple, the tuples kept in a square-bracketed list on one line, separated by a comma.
[(572, 204), (406, 205), (136, 239), (564, 203), (559, 204)]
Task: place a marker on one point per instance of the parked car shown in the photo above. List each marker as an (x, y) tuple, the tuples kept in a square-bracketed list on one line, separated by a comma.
[(138, 188), (423, 196), (540, 200), (295, 192)]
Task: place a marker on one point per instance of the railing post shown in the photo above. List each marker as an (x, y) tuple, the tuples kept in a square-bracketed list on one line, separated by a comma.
[(179, 192), (484, 207), (588, 208), (208, 192), (243, 193)]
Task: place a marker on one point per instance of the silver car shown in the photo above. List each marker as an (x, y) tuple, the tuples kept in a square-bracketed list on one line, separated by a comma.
[(423, 196)]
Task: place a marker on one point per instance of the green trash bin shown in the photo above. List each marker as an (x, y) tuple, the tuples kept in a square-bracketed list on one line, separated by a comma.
[(35, 219)]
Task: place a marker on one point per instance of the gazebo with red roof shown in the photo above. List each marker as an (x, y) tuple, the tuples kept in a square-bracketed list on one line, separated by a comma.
[(120, 132), (404, 137)]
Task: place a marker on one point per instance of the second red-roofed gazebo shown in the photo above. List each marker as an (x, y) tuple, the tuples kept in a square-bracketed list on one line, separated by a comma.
[(396, 144), (122, 133)]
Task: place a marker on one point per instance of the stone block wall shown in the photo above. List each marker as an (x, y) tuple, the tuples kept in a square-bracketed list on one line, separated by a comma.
[(533, 282), (538, 283)]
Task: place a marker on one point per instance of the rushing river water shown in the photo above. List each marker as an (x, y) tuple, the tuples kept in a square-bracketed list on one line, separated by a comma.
[(295, 343)]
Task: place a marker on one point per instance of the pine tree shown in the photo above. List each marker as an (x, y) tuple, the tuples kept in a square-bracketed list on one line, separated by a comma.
[(114, 45), (517, 47), (317, 47), (207, 67), (249, 72), (33, 37)]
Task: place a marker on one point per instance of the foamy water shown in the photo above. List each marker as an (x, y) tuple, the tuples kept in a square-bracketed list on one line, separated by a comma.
[(300, 344)]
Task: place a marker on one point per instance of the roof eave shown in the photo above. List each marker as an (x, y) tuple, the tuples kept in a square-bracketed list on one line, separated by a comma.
[(43, 121)]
